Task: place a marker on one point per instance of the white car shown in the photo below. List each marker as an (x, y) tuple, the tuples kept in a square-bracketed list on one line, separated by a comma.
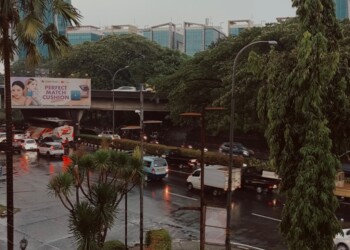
[(125, 89), (29, 144), (109, 134), (342, 242), (50, 149)]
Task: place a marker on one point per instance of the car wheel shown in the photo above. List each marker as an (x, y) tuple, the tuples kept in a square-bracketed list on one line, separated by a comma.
[(189, 186), (259, 190), (48, 154), (342, 247)]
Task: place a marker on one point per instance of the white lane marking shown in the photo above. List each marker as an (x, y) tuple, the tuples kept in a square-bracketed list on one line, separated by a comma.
[(266, 217), (244, 246), (182, 196)]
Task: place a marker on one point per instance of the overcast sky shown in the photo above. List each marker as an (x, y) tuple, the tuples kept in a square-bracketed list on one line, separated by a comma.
[(143, 13), (146, 13)]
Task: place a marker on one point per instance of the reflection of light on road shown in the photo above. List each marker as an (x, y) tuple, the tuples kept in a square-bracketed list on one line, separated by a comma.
[(51, 169), (23, 163), (166, 197), (272, 203), (66, 163), (166, 193)]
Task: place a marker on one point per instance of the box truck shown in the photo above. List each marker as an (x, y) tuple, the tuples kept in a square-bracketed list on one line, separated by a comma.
[(215, 179)]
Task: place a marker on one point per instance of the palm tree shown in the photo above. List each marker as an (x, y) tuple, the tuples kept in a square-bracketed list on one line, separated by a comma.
[(27, 20), (101, 179)]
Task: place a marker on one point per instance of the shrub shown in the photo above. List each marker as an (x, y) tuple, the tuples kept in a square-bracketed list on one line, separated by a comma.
[(158, 149), (158, 239), (113, 245)]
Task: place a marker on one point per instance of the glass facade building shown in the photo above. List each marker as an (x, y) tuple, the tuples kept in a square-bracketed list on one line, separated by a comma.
[(50, 18), (235, 27), (80, 34), (166, 35), (120, 30), (198, 37), (342, 9)]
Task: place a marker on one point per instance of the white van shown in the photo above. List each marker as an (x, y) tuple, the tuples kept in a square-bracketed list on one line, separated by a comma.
[(154, 168)]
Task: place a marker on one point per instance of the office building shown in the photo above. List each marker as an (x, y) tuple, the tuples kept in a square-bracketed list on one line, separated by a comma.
[(198, 37), (342, 9), (166, 35), (50, 18), (235, 27), (80, 34), (120, 30)]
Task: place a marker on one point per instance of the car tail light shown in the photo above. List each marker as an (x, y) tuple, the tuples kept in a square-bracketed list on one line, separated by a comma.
[(153, 171), (52, 148)]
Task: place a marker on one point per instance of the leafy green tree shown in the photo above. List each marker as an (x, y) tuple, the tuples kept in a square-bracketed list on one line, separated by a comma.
[(27, 30), (91, 191), (298, 129), (147, 61)]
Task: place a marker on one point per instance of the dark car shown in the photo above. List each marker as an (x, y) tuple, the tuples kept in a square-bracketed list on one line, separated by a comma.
[(237, 149), (16, 146), (176, 158)]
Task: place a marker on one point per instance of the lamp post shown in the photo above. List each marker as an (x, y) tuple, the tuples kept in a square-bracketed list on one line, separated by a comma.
[(113, 77), (140, 112), (229, 192), (202, 202)]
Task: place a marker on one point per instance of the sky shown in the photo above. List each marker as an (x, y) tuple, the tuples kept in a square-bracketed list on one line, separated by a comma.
[(147, 13)]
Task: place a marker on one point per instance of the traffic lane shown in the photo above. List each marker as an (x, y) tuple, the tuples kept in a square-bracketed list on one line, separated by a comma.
[(246, 206)]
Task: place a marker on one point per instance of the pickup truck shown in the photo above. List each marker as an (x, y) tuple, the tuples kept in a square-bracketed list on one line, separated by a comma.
[(175, 158), (260, 180)]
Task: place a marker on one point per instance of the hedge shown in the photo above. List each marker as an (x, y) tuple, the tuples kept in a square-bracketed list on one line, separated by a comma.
[(159, 149), (158, 239), (113, 245)]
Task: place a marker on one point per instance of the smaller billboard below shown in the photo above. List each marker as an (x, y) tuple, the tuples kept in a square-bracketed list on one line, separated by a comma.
[(40, 92)]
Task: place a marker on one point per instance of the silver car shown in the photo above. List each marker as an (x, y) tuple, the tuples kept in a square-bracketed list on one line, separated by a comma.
[(342, 242)]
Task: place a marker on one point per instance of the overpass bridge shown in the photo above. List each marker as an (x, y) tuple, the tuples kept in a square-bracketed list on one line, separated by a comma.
[(101, 100)]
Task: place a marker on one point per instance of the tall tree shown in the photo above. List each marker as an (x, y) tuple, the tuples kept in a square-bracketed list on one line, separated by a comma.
[(26, 32), (298, 131)]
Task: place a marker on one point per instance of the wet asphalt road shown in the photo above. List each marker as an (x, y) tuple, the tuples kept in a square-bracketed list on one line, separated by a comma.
[(43, 220)]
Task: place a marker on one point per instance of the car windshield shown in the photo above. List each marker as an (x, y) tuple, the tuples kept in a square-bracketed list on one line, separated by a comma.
[(160, 162), (29, 141)]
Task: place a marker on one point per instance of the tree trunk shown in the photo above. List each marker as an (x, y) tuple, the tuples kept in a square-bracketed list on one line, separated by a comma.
[(8, 116)]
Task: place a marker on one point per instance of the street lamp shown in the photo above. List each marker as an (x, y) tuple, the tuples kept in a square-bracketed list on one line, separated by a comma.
[(229, 192), (140, 113), (113, 77), (202, 203)]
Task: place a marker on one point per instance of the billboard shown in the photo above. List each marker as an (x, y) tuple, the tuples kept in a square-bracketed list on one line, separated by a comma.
[(41, 92)]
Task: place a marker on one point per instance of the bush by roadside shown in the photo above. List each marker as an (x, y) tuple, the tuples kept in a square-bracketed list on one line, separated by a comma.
[(158, 239), (113, 245)]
